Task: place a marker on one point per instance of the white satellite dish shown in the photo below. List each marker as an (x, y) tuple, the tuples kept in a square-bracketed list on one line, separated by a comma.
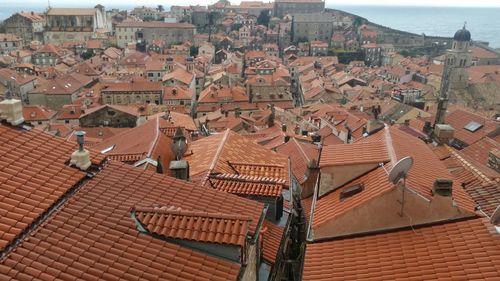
[(400, 170), (495, 218)]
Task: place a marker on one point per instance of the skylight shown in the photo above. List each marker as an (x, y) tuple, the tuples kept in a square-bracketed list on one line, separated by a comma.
[(473, 126), (351, 191)]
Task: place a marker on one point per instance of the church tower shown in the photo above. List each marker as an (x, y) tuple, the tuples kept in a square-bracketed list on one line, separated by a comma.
[(455, 74), (458, 59)]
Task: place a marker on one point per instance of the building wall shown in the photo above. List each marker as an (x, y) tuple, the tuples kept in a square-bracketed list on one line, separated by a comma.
[(383, 213), (250, 273), (123, 98), (8, 46), (54, 102), (170, 35), (59, 37), (108, 117), (45, 59), (24, 28), (317, 26), (281, 9)]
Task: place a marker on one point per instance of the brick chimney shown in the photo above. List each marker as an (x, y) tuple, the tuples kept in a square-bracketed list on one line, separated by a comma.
[(494, 159), (11, 109), (81, 157)]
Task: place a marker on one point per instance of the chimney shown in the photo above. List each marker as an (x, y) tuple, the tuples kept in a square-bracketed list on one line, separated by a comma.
[(286, 138), (494, 159), (272, 116), (179, 167), (169, 64), (11, 109), (443, 187), (81, 157), (316, 138), (189, 64), (373, 126), (443, 133), (283, 127), (237, 112)]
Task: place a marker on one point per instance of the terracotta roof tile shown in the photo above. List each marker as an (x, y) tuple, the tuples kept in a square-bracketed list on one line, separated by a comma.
[(247, 185), (459, 118), (176, 223), (92, 236), (272, 241), (232, 153), (33, 177), (456, 250), (302, 157), (355, 153)]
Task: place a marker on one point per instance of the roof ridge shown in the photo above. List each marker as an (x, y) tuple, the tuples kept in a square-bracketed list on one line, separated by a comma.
[(189, 213), (216, 157), (302, 150)]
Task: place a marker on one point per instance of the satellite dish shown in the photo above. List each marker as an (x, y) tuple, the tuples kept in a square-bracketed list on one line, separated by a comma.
[(495, 218), (400, 170)]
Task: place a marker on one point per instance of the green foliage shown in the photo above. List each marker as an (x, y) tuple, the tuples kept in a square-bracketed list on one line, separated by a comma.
[(264, 17), (193, 51), (160, 8), (149, 18), (346, 57), (87, 54), (302, 39), (236, 26)]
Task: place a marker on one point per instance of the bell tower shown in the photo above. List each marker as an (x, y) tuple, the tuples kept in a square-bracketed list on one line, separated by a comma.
[(458, 59)]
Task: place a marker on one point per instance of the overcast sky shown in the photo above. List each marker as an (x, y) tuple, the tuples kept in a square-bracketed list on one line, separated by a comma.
[(331, 3)]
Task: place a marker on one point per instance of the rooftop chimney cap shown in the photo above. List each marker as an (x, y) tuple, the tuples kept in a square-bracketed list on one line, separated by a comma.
[(80, 139)]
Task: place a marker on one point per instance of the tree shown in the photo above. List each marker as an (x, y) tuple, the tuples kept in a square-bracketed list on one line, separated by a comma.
[(193, 51), (264, 17), (160, 8), (87, 54)]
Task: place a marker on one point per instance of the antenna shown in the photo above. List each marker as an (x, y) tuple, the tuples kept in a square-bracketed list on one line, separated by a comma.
[(400, 172)]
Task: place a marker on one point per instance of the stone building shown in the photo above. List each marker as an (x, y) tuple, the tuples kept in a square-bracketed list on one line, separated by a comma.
[(312, 26), (133, 92), (29, 26), (117, 116), (9, 42), (284, 7), (74, 24), (458, 60), (170, 33)]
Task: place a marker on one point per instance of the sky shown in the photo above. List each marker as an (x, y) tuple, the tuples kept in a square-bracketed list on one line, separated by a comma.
[(329, 3)]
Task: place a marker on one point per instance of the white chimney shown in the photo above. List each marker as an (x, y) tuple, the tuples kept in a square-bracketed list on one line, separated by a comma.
[(81, 157), (11, 110)]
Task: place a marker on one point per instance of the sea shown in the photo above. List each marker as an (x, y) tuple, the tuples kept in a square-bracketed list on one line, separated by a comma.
[(483, 23)]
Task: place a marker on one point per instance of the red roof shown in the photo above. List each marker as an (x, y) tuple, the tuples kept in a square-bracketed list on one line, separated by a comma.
[(461, 250), (272, 241), (247, 185), (356, 153), (459, 118), (176, 223), (34, 175), (92, 236)]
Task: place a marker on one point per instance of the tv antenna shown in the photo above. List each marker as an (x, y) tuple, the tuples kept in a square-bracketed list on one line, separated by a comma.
[(400, 172)]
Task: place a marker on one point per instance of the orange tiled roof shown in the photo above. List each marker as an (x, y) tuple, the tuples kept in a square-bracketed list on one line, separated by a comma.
[(271, 242), (33, 177), (247, 185), (231, 153), (302, 156), (459, 118), (176, 223), (356, 153), (92, 236), (465, 250)]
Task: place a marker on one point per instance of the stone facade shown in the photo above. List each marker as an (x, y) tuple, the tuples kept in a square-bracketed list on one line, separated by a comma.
[(313, 27), (133, 93), (29, 26), (73, 24), (284, 7), (170, 33), (110, 116), (9, 43)]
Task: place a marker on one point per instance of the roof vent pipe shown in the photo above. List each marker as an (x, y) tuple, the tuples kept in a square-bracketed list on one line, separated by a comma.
[(81, 157)]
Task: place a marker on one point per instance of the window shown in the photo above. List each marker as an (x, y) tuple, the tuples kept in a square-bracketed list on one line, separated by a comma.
[(351, 191), (473, 126)]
